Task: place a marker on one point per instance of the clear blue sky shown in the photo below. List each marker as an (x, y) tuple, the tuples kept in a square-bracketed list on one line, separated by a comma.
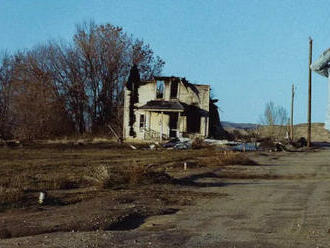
[(249, 51)]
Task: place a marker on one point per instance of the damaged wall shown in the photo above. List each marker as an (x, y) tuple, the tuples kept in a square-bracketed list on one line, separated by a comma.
[(195, 96)]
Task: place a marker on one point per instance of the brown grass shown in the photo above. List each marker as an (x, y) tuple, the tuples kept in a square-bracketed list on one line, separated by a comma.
[(107, 176), (225, 158), (5, 234), (198, 143), (10, 196), (135, 174), (126, 176), (63, 167)]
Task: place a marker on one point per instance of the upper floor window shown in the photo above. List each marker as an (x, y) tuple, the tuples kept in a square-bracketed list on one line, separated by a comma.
[(160, 89), (174, 89)]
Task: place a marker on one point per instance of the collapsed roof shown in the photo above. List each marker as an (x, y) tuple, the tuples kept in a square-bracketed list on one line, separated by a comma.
[(184, 81)]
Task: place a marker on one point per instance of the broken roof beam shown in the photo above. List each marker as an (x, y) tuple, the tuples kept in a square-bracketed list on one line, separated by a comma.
[(184, 81), (166, 78)]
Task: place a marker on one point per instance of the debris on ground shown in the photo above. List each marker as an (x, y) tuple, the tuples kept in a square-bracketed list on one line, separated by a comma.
[(179, 143), (300, 142), (279, 147), (221, 142), (227, 145), (42, 197), (154, 146), (133, 147), (244, 147), (10, 143)]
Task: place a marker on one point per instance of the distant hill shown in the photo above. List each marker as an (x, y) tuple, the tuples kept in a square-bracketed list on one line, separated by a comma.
[(227, 124), (319, 133)]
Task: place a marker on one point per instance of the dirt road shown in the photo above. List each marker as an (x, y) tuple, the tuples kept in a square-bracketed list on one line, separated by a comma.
[(282, 202), (292, 210)]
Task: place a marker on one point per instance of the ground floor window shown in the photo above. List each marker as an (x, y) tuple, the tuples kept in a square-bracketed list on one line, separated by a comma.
[(142, 121)]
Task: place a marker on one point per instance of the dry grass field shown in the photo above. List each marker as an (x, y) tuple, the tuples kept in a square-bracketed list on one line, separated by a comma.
[(110, 195), (81, 178)]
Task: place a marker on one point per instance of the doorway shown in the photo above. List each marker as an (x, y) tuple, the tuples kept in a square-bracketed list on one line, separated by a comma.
[(173, 124)]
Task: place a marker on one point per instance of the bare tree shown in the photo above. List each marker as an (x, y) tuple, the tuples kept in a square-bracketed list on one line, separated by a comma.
[(6, 116), (107, 54), (69, 80), (62, 87), (65, 87), (275, 117), (38, 109)]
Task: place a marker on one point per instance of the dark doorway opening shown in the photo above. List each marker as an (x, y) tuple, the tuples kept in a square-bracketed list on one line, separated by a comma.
[(193, 120), (173, 124)]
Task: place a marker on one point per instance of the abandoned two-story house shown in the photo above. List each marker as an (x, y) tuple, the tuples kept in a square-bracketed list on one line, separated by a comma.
[(165, 107)]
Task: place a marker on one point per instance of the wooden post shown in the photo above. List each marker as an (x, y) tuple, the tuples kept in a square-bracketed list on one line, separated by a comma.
[(205, 129), (114, 133), (161, 127), (178, 126), (291, 119), (149, 126), (309, 116)]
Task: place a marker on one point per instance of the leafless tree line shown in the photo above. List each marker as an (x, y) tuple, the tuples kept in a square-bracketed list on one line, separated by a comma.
[(64, 88), (275, 120)]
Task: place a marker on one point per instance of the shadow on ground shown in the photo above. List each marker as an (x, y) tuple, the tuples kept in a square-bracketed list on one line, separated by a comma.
[(192, 180)]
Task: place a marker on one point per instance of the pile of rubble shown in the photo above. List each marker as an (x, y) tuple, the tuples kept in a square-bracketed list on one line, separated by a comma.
[(186, 143), (226, 145), (179, 143)]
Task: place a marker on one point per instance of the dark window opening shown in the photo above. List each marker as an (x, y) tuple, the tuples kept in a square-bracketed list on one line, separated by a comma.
[(142, 121), (160, 90), (174, 89)]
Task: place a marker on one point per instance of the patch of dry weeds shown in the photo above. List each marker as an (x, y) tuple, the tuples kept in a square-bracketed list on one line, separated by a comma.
[(65, 167), (223, 158)]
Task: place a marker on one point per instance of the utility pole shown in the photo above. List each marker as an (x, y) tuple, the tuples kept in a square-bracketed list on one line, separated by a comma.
[(309, 117), (291, 119)]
